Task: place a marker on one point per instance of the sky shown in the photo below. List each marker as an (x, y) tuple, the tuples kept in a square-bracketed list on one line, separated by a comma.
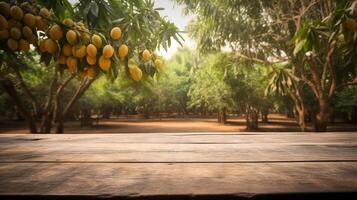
[(173, 13)]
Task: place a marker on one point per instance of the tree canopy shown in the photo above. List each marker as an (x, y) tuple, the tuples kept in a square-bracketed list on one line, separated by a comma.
[(78, 41), (316, 37)]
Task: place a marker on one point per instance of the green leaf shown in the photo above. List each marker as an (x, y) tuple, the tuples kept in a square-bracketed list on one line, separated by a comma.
[(299, 46), (117, 20), (86, 9), (332, 36), (94, 9)]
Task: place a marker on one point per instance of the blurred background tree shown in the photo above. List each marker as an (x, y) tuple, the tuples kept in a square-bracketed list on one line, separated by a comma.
[(317, 38)]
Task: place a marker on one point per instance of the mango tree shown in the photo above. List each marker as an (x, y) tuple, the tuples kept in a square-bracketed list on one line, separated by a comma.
[(81, 41), (280, 31), (328, 49)]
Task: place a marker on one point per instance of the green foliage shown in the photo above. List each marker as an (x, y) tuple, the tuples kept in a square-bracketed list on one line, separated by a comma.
[(142, 28), (346, 100), (222, 83), (209, 89), (241, 25), (330, 47), (61, 8), (141, 24), (205, 80), (317, 39), (281, 80), (165, 92)]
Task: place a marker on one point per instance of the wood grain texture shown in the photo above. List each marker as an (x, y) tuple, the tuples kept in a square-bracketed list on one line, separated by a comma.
[(177, 163)]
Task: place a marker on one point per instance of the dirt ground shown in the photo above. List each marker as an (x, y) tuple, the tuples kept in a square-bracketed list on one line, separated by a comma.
[(277, 123)]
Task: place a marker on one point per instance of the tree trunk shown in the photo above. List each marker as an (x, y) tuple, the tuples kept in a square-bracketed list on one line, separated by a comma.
[(323, 115), (86, 119), (59, 125), (265, 117), (222, 115), (105, 112), (36, 109), (251, 119), (185, 112), (300, 107), (57, 113), (80, 91), (46, 123), (9, 88), (146, 113), (58, 116), (301, 119)]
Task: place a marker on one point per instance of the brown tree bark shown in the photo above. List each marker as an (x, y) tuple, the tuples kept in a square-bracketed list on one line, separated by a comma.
[(222, 116), (57, 113), (301, 118), (300, 108), (320, 90), (9, 88), (46, 123), (265, 112), (296, 96), (35, 107), (318, 75), (78, 94), (323, 115), (265, 117), (86, 117), (252, 116)]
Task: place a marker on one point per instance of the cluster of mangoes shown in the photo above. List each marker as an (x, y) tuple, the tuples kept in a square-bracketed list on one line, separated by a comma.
[(70, 43)]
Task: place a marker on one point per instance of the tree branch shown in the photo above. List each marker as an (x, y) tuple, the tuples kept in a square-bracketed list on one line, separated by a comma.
[(9, 88), (310, 84), (80, 91), (353, 82), (316, 79), (44, 128), (57, 110), (239, 55), (332, 70), (26, 90)]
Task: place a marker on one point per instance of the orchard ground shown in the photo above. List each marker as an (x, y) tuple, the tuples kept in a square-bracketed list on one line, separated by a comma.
[(136, 124)]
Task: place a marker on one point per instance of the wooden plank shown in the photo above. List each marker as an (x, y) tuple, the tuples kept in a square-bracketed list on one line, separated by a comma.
[(180, 178), (177, 163), (178, 148)]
